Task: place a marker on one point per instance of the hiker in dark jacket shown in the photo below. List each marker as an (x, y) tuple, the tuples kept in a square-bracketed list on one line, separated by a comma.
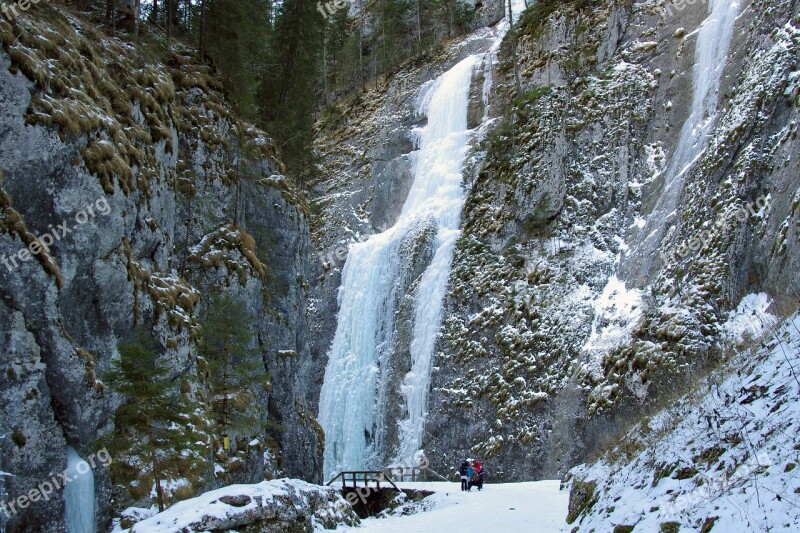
[(463, 471)]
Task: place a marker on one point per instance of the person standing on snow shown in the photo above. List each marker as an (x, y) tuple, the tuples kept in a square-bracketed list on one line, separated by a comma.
[(470, 475), (463, 471), (481, 474)]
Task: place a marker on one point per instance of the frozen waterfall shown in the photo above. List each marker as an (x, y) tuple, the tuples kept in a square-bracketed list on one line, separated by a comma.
[(353, 397), (79, 494), (710, 58)]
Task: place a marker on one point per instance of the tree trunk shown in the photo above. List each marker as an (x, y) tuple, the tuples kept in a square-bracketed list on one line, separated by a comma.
[(325, 71), (450, 24), (156, 473), (154, 12), (136, 12), (361, 47), (172, 12), (202, 45), (419, 25), (225, 390), (169, 25)]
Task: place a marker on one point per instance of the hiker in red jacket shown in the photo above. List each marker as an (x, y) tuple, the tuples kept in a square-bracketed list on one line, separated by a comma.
[(481, 474)]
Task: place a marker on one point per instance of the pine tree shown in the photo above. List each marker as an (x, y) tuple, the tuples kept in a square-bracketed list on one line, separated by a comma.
[(235, 36), (341, 54), (289, 81), (155, 439), (235, 367)]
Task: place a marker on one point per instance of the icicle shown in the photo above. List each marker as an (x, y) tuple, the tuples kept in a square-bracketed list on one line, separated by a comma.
[(711, 56)]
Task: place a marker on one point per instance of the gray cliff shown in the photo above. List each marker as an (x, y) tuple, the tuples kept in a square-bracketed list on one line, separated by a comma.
[(186, 199)]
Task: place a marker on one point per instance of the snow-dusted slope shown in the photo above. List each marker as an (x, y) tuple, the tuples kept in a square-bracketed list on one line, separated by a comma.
[(725, 456)]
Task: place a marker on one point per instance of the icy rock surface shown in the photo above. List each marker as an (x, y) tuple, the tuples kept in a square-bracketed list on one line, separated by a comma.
[(79, 498), (283, 505)]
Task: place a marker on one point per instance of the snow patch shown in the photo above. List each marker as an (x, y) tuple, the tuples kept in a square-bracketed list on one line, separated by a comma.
[(750, 318), (617, 312)]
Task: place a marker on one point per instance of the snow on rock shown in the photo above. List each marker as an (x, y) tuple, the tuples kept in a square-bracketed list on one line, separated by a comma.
[(617, 312), (724, 457), (131, 516), (750, 318), (271, 506)]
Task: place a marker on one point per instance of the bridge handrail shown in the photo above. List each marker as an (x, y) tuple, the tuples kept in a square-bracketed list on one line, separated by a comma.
[(353, 475), (417, 473)]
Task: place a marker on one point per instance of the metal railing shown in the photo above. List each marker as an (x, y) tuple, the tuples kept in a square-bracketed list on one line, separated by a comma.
[(413, 473), (363, 476)]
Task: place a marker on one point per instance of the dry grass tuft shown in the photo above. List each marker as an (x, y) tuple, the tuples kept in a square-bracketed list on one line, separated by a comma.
[(11, 222)]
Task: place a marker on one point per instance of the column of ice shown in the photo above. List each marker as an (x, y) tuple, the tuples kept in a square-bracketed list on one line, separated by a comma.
[(348, 409), (710, 57), (79, 494), (437, 193)]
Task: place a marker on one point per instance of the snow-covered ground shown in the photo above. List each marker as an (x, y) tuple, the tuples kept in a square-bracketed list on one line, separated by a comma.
[(532, 507)]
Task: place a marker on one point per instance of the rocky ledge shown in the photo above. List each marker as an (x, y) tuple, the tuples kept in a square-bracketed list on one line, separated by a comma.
[(282, 505)]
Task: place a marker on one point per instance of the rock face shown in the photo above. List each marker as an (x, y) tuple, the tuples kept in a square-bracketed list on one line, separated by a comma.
[(153, 194), (278, 506), (562, 328), (488, 12), (561, 332)]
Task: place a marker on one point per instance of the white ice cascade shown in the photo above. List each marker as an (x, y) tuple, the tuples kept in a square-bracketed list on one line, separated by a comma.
[(353, 399), (79, 495), (710, 58)]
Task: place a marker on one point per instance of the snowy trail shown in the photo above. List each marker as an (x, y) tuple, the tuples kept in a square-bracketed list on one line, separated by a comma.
[(532, 507)]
